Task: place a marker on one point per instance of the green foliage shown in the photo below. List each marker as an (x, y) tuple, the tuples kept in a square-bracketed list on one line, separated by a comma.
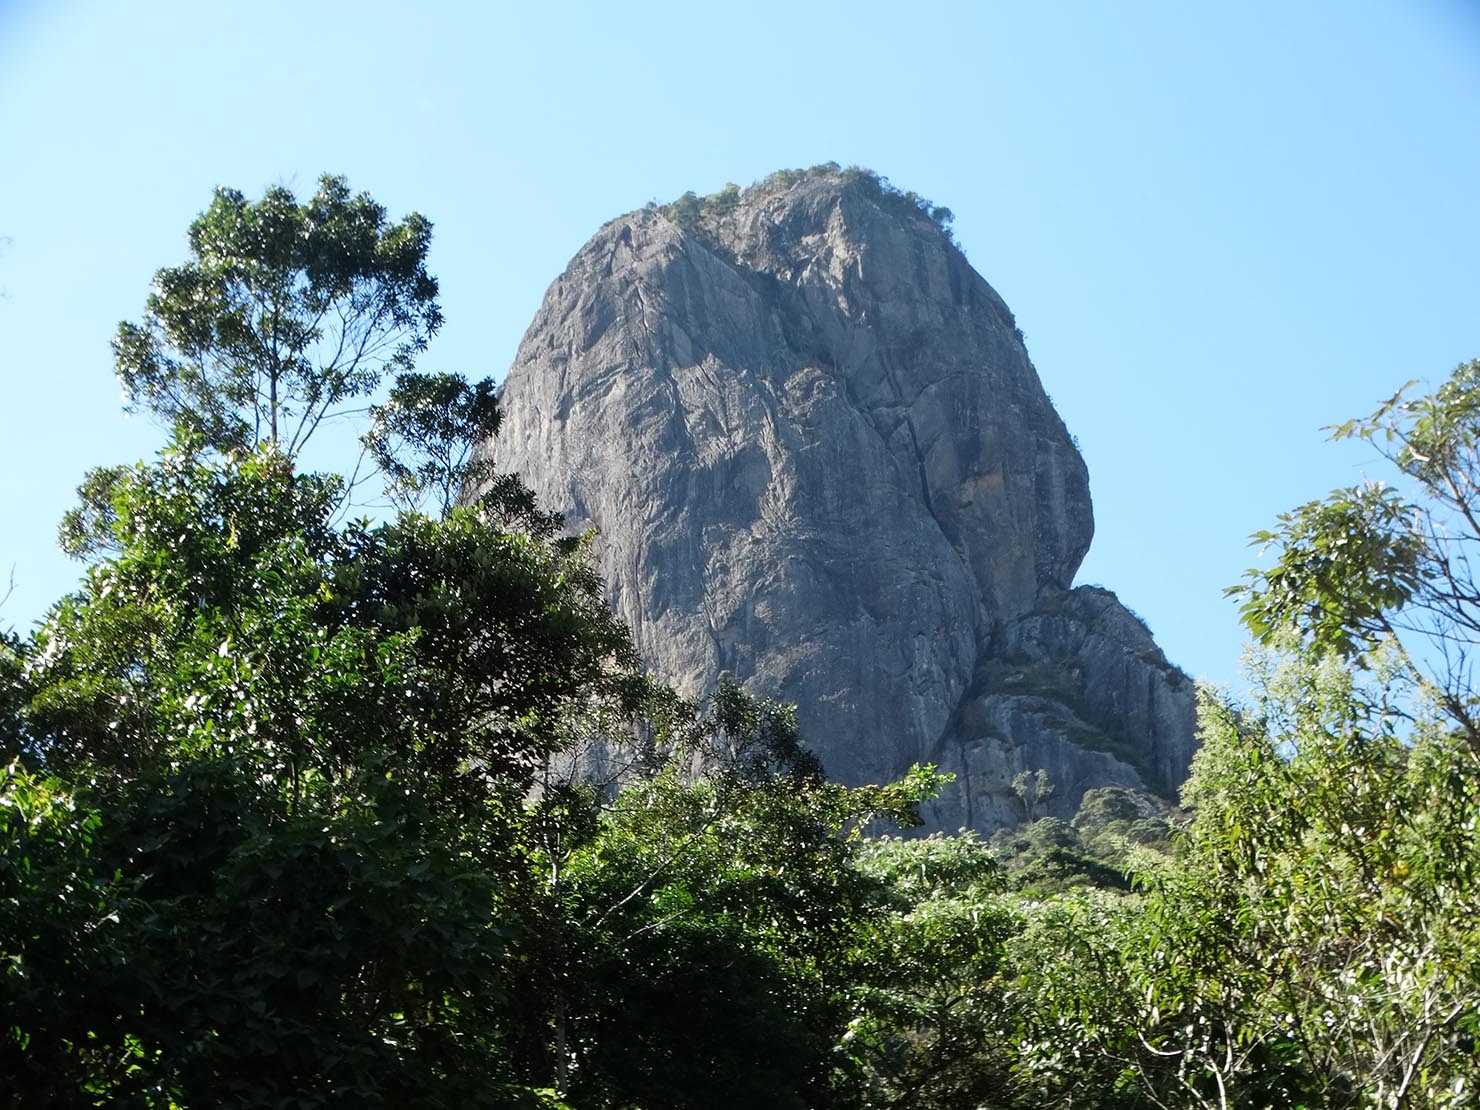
[(235, 617), (1343, 566), (754, 740), (1376, 564), (55, 899), (312, 750), (424, 438), (1313, 940), (1049, 857), (694, 213), (425, 441), (685, 211), (317, 814), (1032, 789), (1306, 947), (927, 984), (1077, 1016), (1107, 841), (511, 641), (200, 547), (87, 529), (234, 957), (309, 746), (284, 313), (1334, 843), (14, 694), (354, 954), (695, 933)]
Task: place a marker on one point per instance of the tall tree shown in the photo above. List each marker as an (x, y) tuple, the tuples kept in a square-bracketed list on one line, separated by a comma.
[(309, 748), (284, 313)]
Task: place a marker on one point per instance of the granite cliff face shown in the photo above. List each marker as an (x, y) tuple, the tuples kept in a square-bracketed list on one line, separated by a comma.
[(817, 456)]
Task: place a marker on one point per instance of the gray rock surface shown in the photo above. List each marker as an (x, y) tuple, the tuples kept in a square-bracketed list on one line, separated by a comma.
[(818, 456)]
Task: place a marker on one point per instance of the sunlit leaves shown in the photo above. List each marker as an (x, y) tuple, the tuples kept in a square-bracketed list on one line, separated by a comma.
[(285, 313), (1343, 566), (311, 745), (1393, 563), (927, 997), (424, 438), (1329, 879)]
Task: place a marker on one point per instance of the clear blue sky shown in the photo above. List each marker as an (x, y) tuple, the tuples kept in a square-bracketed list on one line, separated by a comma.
[(1221, 227)]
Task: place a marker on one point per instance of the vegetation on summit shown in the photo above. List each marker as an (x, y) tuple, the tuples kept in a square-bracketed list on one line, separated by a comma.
[(695, 213), (298, 811)]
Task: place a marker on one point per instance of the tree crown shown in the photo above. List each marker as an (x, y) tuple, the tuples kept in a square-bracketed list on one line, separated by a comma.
[(283, 313)]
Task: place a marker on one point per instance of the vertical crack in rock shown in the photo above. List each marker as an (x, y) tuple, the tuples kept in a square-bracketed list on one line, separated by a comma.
[(818, 455)]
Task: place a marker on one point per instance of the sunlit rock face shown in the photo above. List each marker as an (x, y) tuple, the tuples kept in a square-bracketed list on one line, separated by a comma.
[(816, 455)]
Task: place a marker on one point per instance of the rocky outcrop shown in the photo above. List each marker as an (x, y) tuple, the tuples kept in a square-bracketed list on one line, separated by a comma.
[(1078, 688), (817, 456)]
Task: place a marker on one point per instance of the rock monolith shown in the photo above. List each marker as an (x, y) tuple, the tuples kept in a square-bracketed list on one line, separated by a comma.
[(816, 455)]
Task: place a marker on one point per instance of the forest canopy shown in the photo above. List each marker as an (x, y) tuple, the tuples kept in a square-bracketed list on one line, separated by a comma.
[(304, 810)]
